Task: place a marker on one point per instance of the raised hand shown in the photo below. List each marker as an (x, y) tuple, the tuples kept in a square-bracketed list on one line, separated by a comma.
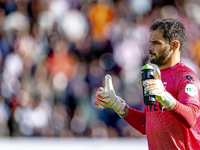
[(107, 97)]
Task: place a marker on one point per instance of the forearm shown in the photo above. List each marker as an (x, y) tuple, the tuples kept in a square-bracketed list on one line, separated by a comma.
[(136, 119), (185, 113)]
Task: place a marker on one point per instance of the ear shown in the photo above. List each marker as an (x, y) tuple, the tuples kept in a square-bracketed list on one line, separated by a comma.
[(174, 45)]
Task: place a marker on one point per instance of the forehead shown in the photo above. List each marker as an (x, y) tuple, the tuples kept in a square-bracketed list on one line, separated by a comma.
[(157, 35)]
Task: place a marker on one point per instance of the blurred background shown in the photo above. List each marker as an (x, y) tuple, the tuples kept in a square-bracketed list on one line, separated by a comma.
[(54, 55)]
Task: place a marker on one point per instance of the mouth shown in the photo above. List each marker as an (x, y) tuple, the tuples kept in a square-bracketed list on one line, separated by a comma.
[(152, 54)]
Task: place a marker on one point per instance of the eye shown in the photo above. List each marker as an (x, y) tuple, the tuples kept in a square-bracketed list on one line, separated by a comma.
[(155, 42)]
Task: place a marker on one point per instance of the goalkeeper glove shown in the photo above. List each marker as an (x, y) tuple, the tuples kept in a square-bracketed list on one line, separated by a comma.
[(107, 97), (156, 87)]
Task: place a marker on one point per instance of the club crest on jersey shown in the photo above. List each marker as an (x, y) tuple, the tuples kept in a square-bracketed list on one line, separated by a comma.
[(191, 89), (190, 78)]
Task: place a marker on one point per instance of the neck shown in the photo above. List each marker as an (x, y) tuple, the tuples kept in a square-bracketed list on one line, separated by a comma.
[(172, 61)]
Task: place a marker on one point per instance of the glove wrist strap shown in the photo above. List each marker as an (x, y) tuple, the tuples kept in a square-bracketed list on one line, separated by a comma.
[(167, 99), (119, 106)]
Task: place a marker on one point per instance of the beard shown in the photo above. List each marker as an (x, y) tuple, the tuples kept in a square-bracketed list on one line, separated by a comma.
[(162, 57)]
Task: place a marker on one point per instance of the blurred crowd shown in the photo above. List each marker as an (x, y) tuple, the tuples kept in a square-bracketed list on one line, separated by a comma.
[(54, 55)]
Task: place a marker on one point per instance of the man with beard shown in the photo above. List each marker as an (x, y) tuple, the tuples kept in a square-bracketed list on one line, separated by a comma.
[(173, 122)]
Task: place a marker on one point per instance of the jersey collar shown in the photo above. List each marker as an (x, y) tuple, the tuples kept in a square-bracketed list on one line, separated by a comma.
[(171, 68)]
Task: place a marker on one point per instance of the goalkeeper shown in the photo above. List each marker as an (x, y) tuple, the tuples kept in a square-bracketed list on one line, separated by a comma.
[(178, 125)]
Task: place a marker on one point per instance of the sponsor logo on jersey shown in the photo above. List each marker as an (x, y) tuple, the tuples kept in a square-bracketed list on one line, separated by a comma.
[(156, 107), (191, 89)]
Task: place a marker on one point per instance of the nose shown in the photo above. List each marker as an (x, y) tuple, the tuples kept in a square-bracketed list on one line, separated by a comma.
[(150, 49)]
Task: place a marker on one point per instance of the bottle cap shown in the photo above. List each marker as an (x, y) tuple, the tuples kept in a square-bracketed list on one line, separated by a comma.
[(147, 66)]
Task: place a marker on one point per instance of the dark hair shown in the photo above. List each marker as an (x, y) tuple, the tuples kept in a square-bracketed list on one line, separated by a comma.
[(173, 30)]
